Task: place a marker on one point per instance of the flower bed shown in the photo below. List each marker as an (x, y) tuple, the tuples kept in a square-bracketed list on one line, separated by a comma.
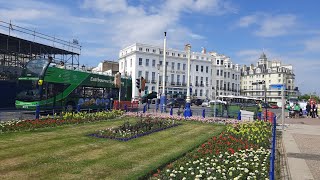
[(128, 131), (241, 152), (244, 164), (182, 118), (67, 118)]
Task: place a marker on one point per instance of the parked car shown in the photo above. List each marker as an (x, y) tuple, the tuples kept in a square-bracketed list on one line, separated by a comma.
[(151, 95), (274, 106), (265, 105), (177, 102), (205, 103), (197, 102)]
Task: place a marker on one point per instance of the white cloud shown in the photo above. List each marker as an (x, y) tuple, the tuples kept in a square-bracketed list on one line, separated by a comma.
[(270, 25), (312, 45), (108, 6), (108, 25), (247, 20)]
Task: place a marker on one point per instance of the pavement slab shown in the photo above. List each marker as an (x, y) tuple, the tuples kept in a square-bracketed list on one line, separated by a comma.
[(301, 140)]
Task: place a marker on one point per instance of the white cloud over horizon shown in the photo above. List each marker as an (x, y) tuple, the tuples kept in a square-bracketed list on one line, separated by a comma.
[(268, 25)]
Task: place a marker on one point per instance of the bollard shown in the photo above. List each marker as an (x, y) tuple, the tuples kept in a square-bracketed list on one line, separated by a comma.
[(78, 108), (37, 111), (157, 106), (239, 115), (171, 111), (204, 113), (144, 108)]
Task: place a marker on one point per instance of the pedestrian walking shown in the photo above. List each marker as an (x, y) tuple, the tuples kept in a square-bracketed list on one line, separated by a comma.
[(314, 110), (296, 109), (308, 109), (259, 114)]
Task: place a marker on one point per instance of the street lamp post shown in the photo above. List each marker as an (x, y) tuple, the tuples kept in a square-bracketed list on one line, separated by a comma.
[(187, 112), (158, 87), (163, 98)]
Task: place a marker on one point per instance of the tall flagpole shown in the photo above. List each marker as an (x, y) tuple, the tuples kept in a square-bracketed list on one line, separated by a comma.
[(163, 98)]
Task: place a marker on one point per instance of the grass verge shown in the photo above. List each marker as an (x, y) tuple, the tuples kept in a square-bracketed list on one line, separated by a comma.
[(67, 152)]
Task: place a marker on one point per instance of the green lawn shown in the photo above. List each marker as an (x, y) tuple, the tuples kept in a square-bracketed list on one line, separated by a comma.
[(67, 153)]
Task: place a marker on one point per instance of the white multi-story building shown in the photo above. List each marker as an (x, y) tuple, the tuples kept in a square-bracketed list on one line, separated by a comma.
[(146, 60), (274, 74)]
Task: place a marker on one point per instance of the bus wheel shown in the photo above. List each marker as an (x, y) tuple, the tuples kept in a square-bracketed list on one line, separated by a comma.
[(70, 106)]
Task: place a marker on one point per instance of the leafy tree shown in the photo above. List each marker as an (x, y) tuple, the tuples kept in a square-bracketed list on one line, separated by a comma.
[(306, 97)]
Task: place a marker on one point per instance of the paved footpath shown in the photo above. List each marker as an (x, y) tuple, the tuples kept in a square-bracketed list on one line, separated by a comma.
[(301, 140)]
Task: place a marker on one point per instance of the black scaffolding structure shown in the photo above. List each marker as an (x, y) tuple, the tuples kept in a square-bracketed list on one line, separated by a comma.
[(18, 45)]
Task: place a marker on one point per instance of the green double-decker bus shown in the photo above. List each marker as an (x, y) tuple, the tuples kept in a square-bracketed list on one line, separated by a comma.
[(52, 86)]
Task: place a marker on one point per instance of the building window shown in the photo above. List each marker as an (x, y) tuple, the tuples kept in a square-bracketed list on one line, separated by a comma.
[(167, 63), (139, 73), (173, 54), (217, 72), (172, 78), (207, 69), (172, 65), (200, 92), (196, 80), (279, 80), (221, 72), (232, 76), (153, 76), (207, 81), (218, 62), (201, 68), (147, 62), (153, 63), (221, 62), (130, 62), (140, 61), (201, 81), (167, 53), (178, 79), (147, 50), (153, 50), (225, 74), (160, 63), (147, 76), (228, 74), (184, 67), (161, 52), (197, 68), (183, 79), (153, 88), (279, 75), (178, 66), (196, 92), (184, 55), (140, 49)]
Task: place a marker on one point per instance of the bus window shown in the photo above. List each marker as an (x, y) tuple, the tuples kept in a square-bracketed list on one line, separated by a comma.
[(55, 89), (28, 91)]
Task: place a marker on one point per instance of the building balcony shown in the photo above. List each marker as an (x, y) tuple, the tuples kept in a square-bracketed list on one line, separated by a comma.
[(153, 81)]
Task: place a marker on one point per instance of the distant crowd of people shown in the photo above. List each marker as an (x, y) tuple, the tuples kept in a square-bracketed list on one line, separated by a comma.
[(296, 111), (312, 110)]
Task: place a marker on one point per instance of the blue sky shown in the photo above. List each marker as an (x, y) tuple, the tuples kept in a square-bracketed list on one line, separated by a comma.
[(287, 30)]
